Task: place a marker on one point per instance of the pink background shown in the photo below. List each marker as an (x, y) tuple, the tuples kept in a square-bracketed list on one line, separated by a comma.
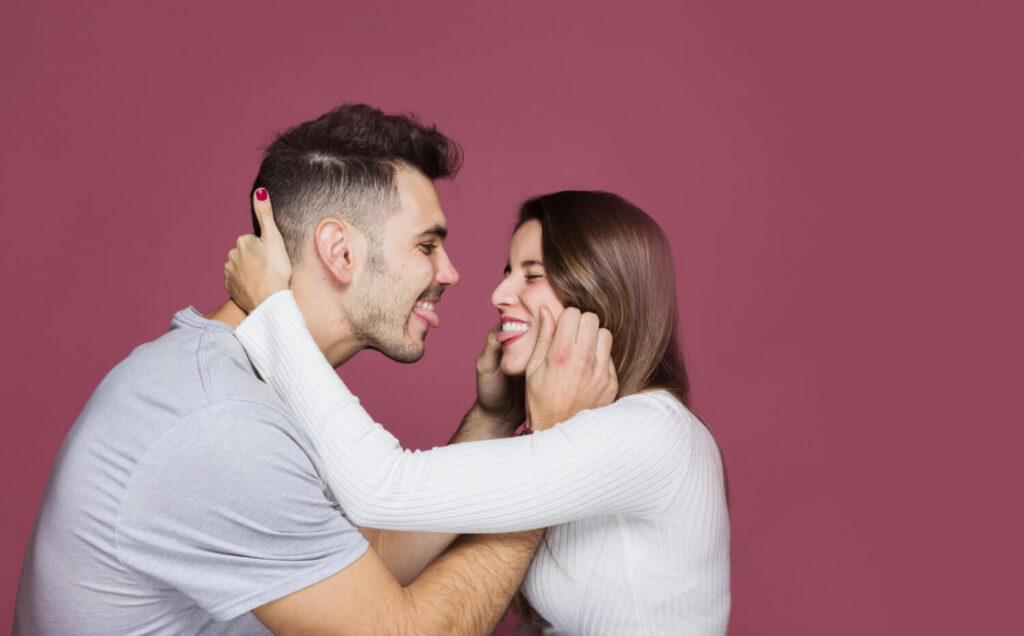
[(842, 187)]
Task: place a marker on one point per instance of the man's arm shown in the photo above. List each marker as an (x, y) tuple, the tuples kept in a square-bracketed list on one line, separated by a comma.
[(465, 591)]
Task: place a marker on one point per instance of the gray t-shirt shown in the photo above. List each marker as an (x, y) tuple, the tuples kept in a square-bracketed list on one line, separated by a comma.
[(183, 497)]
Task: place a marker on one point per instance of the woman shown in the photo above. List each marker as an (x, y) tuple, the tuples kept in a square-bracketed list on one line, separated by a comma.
[(634, 491)]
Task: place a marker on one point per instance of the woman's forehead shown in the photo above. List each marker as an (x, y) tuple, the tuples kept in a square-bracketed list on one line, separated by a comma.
[(526, 243)]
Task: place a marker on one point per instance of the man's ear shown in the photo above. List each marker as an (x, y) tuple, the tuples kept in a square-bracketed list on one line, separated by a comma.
[(338, 247)]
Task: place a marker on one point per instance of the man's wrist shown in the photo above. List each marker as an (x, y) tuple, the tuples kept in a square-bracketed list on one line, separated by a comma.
[(528, 540), (480, 424), (502, 418)]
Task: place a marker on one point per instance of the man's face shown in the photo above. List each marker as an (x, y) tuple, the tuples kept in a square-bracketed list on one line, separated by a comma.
[(394, 307)]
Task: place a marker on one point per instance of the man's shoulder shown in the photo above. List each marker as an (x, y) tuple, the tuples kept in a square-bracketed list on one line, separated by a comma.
[(193, 383), (198, 361)]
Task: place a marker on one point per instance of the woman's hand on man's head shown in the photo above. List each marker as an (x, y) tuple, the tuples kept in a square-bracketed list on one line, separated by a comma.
[(258, 266)]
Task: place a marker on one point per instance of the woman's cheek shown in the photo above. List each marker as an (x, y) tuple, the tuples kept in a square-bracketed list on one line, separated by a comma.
[(556, 310)]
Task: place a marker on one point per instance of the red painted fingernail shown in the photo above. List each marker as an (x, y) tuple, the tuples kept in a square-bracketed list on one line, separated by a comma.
[(261, 194)]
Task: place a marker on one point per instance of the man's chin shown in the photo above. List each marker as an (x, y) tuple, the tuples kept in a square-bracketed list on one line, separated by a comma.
[(410, 351), (410, 356)]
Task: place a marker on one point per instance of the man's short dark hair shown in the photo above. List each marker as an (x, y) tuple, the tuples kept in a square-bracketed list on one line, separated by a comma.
[(344, 164)]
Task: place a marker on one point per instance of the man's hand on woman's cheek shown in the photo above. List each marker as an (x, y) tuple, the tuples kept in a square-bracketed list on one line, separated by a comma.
[(570, 369)]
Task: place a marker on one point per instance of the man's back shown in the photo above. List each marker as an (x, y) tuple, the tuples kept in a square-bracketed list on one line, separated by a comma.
[(182, 498)]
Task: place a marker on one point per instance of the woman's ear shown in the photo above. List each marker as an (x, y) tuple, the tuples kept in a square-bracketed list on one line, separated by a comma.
[(337, 244)]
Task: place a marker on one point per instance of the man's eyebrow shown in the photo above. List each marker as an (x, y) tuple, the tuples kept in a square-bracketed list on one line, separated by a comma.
[(438, 230)]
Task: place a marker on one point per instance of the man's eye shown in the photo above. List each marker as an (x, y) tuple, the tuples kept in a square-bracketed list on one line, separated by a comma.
[(428, 248)]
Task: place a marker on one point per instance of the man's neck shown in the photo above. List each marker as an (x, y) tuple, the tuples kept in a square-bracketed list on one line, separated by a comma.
[(342, 350), (229, 313)]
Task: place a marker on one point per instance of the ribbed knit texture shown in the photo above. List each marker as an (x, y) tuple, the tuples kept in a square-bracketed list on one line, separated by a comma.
[(634, 490)]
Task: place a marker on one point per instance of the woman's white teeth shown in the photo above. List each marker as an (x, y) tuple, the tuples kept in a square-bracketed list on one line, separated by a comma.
[(514, 326), (425, 305)]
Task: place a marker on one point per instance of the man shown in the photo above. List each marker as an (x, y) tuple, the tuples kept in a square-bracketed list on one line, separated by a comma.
[(185, 499)]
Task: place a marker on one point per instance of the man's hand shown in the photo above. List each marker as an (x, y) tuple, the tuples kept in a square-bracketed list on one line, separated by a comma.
[(498, 395), (570, 369), (500, 406), (258, 266)]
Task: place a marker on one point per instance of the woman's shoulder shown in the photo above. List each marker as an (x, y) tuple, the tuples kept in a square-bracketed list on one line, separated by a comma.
[(656, 401), (656, 413)]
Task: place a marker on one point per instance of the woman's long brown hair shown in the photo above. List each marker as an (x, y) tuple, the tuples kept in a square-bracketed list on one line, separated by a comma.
[(605, 255)]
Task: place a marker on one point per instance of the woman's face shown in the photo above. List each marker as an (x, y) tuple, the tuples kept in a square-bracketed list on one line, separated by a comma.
[(520, 296)]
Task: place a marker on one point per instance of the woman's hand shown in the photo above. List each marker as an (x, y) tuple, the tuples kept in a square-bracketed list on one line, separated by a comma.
[(498, 395), (258, 266)]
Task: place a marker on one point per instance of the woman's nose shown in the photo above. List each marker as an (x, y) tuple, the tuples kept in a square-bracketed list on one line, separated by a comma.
[(502, 296)]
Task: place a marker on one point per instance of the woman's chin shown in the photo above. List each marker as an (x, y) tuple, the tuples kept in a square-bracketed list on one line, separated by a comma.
[(513, 367)]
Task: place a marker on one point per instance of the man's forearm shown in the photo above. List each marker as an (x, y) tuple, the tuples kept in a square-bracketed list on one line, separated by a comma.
[(467, 590), (407, 553)]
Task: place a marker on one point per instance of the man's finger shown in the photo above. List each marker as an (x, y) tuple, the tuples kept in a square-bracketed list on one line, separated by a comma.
[(232, 259), (490, 357), (264, 213)]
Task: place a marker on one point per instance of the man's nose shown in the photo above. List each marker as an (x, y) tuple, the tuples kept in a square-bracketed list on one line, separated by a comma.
[(447, 275)]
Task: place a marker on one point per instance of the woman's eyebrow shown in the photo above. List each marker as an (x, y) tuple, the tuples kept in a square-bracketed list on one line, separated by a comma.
[(524, 265)]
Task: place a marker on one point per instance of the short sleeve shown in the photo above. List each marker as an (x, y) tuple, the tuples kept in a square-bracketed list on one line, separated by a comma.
[(229, 509)]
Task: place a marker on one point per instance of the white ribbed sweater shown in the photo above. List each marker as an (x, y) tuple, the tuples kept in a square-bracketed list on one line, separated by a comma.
[(634, 491)]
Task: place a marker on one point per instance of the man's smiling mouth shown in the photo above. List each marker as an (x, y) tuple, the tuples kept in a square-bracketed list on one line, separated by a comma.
[(424, 310)]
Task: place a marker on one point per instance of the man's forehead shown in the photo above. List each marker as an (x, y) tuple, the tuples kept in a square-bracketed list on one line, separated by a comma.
[(419, 211), (418, 221)]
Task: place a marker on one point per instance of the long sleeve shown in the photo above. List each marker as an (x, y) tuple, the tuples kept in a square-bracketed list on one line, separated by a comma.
[(626, 458)]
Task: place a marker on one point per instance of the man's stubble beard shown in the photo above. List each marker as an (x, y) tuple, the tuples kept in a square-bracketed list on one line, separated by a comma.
[(383, 326)]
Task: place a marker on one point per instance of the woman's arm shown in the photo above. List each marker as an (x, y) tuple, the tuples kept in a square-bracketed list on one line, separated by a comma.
[(626, 458)]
